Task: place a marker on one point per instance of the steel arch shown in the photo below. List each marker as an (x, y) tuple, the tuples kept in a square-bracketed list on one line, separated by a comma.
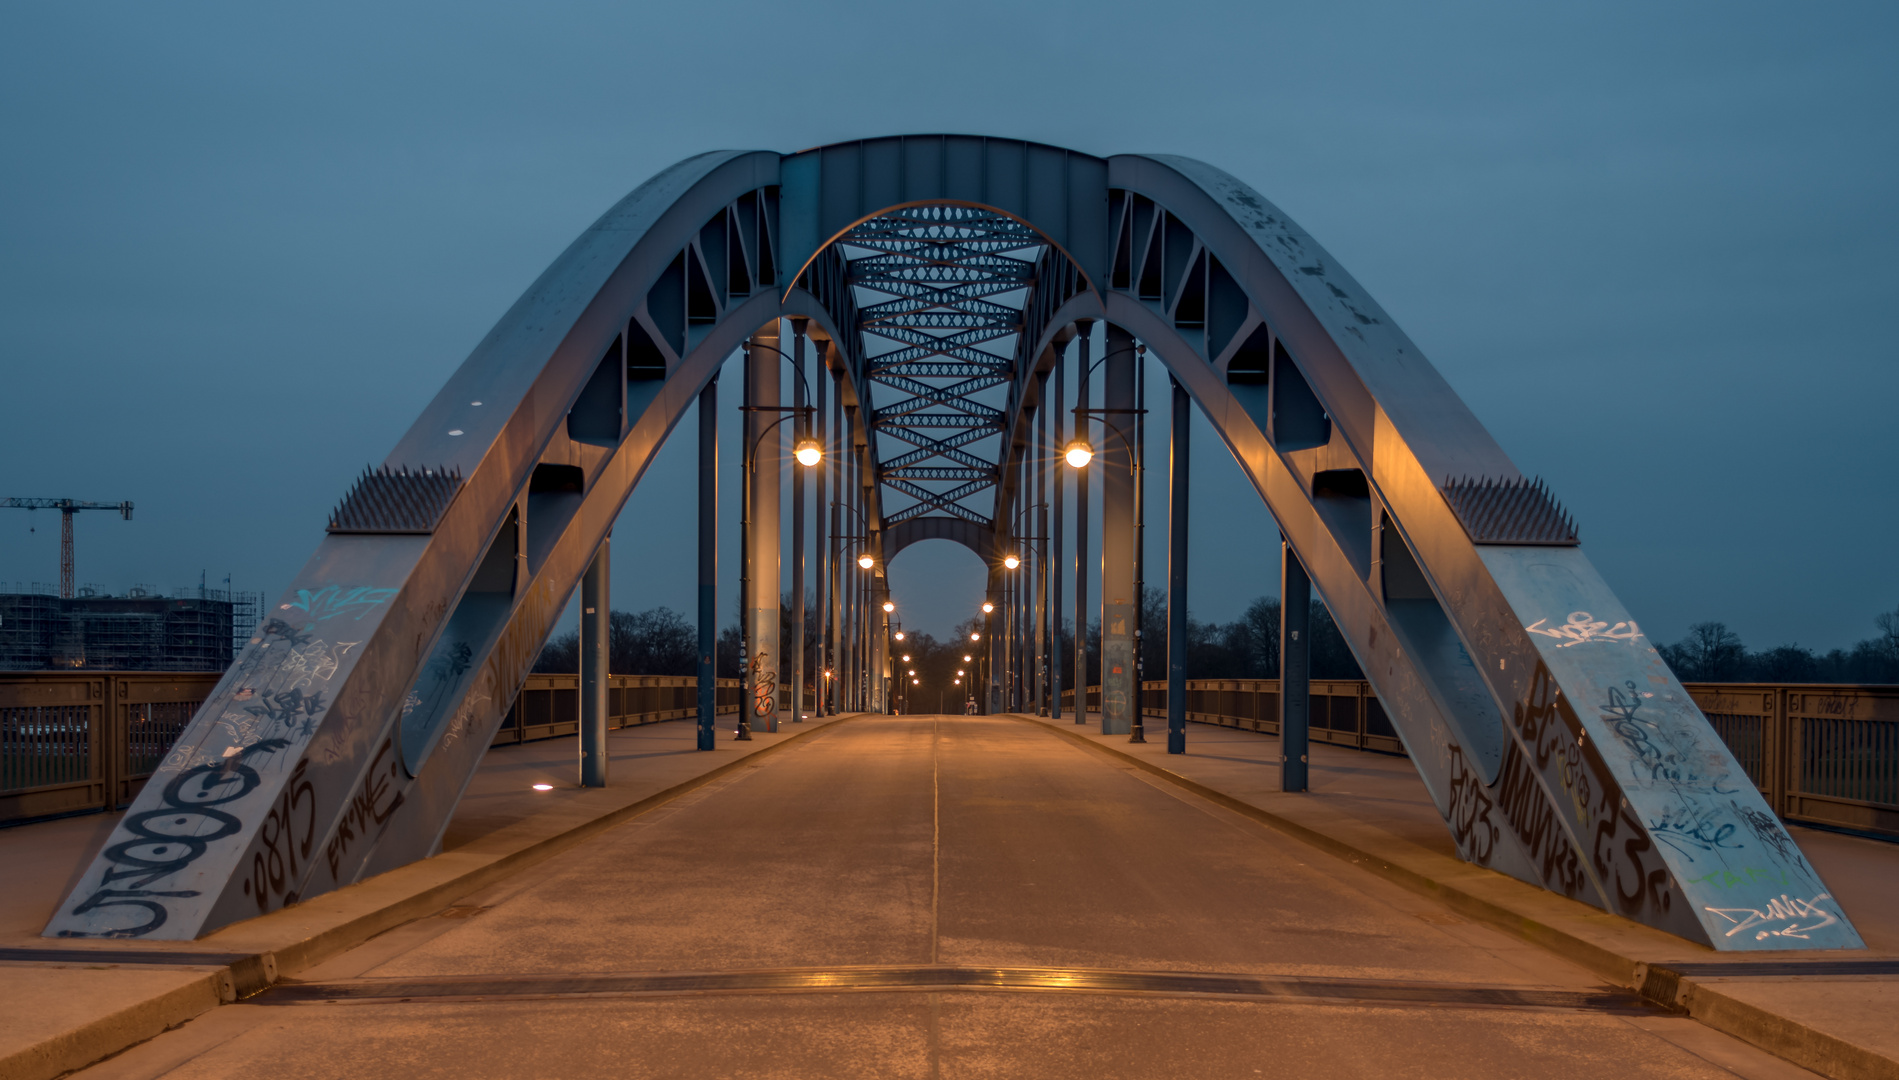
[(1555, 742)]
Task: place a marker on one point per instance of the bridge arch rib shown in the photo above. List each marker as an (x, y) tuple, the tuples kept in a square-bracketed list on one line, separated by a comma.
[(1555, 742)]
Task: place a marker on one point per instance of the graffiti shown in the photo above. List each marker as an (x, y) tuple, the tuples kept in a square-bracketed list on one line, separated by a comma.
[(369, 807), (1620, 853), (1583, 627), (1638, 734), (1469, 811), (333, 601), (1746, 875), (276, 630), (1768, 831), (1650, 883), (169, 839), (1781, 909), (764, 687), (1534, 820), (1689, 829), (288, 711), (274, 867), (313, 661)]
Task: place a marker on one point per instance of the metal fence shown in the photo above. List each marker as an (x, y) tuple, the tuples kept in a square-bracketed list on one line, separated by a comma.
[(86, 740), (1820, 754)]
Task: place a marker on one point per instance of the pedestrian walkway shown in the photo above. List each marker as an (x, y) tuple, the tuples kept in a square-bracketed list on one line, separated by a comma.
[(1836, 1014), (72, 1002)]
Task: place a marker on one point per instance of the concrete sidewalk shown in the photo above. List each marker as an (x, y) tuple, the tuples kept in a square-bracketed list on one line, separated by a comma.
[(1835, 1013), (68, 1003)]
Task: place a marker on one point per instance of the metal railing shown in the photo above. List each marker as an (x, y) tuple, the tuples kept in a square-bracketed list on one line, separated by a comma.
[(1820, 754), (77, 741)]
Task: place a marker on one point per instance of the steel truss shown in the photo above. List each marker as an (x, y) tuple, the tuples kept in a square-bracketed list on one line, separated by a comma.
[(945, 276)]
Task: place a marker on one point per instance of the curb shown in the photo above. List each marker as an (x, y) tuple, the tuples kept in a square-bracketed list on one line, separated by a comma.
[(238, 976), (1659, 982)]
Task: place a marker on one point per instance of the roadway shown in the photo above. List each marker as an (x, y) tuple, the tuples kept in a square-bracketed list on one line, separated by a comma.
[(942, 896)]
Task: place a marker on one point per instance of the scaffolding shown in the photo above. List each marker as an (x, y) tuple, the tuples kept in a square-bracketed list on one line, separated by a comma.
[(144, 630)]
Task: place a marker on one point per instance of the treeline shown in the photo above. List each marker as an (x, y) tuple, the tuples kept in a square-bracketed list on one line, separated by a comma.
[(1713, 653), (661, 641)]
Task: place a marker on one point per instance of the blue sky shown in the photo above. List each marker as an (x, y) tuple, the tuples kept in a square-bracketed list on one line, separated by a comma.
[(1650, 244)]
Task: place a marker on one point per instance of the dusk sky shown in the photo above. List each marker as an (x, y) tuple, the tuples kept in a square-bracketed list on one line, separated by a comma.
[(1654, 246)]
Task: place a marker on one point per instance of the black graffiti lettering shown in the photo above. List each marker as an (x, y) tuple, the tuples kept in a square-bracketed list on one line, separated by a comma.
[(276, 865), (365, 809), (1469, 811), (172, 837)]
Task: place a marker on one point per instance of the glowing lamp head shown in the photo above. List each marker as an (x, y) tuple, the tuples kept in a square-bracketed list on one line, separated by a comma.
[(913, 682), (974, 637), (1011, 561), (900, 638), (906, 658), (987, 608), (889, 607), (808, 453), (1079, 453), (543, 787), (865, 561), (966, 659)]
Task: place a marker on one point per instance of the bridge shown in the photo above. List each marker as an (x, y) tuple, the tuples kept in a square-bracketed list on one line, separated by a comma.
[(936, 337)]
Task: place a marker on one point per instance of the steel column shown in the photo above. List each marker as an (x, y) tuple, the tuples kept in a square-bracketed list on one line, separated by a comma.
[(1295, 674), (795, 648), (1081, 526), (708, 564), (594, 602), (821, 579), (1178, 473), (1117, 533), (1058, 482), (764, 435)]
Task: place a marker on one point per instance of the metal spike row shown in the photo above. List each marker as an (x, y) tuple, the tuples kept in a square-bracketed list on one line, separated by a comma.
[(396, 501), (1509, 511)]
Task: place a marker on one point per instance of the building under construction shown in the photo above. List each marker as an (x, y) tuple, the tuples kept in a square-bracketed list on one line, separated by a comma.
[(193, 629)]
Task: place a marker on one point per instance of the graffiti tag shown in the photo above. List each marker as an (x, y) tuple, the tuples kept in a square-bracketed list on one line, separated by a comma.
[(1583, 627)]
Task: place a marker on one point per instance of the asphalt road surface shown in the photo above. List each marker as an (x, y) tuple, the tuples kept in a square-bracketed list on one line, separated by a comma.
[(943, 897)]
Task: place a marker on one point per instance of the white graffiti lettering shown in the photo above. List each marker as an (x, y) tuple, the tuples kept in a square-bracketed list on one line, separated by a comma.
[(1583, 627), (1780, 909)]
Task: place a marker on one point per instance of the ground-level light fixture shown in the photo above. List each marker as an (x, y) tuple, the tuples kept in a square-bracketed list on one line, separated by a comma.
[(889, 607), (1079, 453), (987, 608), (543, 787), (1011, 561), (866, 561)]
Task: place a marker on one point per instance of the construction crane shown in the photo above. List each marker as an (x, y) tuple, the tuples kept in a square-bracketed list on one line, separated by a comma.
[(67, 508)]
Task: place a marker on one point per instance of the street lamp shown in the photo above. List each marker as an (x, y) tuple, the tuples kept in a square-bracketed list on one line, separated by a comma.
[(808, 453), (1011, 561), (1078, 453), (899, 635), (906, 658), (987, 608), (866, 561), (889, 607)]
